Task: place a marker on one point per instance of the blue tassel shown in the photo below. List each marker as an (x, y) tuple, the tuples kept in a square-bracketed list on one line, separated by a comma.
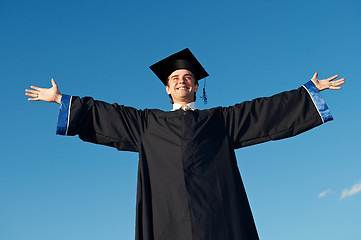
[(204, 97)]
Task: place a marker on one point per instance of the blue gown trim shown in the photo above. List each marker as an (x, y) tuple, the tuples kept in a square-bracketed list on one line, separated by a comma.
[(320, 104), (63, 116)]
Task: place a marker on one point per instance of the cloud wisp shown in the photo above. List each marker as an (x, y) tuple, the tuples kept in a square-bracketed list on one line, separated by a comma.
[(356, 188), (324, 193)]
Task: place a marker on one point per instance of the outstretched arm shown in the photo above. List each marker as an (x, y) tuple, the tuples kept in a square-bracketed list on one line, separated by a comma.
[(44, 94), (329, 83)]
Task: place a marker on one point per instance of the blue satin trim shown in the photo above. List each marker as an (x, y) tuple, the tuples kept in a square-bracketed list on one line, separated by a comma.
[(63, 116), (320, 104)]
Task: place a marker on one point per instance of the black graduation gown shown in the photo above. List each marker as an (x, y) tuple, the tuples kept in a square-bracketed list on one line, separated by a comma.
[(189, 186)]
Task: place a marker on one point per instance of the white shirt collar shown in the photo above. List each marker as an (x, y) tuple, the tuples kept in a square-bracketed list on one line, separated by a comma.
[(177, 106)]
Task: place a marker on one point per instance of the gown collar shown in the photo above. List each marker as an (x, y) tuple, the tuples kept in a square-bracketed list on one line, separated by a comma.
[(177, 106)]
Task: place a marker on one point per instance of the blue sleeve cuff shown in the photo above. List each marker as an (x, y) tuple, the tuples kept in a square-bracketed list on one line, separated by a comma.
[(317, 99), (63, 117)]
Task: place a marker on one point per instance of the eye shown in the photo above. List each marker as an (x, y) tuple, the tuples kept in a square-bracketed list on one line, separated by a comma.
[(189, 78)]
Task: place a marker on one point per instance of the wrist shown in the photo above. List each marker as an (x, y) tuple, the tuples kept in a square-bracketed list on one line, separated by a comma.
[(58, 98), (316, 83)]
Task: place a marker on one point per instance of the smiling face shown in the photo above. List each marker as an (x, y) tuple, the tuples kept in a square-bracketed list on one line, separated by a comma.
[(182, 86)]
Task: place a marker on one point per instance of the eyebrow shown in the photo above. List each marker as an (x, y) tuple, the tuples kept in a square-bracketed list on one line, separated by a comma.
[(188, 74)]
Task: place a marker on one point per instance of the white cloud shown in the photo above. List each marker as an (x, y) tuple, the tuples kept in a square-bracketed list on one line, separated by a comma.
[(324, 193), (352, 191)]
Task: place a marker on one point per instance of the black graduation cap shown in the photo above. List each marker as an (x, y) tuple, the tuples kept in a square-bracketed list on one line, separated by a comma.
[(180, 60)]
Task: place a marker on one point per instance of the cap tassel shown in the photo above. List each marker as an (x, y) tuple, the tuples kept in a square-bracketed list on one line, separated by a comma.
[(204, 97)]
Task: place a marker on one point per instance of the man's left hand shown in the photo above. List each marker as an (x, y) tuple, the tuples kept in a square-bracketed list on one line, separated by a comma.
[(329, 83)]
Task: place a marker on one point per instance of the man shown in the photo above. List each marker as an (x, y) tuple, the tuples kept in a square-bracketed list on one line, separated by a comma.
[(189, 186)]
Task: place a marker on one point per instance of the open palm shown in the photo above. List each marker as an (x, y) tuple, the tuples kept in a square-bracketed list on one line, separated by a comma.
[(44, 94), (328, 83)]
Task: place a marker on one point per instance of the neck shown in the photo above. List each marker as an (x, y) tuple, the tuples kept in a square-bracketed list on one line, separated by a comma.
[(183, 102)]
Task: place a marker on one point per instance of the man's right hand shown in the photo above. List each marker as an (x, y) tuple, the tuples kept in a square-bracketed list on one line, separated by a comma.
[(44, 94)]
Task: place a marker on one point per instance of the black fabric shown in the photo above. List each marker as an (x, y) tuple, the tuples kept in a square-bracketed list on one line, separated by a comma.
[(180, 64), (189, 186), (181, 60)]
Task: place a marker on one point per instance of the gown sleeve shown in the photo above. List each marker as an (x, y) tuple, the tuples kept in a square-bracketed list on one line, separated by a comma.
[(101, 123), (280, 116)]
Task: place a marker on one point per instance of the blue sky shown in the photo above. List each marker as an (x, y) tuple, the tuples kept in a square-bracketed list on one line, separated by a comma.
[(55, 187)]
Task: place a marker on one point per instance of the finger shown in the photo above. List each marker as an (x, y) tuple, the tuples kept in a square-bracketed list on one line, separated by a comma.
[(335, 88), (36, 88), (53, 83), (332, 78), (335, 84), (34, 95), (33, 99), (32, 91), (315, 75), (342, 80)]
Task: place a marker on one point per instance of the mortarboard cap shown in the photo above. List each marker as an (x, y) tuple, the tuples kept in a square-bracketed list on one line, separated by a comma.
[(180, 60)]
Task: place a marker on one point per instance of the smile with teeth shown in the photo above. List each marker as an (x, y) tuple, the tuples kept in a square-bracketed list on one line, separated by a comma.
[(182, 88)]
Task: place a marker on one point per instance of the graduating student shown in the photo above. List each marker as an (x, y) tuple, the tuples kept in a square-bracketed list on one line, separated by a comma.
[(189, 185)]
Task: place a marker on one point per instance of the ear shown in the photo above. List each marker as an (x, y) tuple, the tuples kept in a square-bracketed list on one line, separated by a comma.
[(196, 87), (167, 89)]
